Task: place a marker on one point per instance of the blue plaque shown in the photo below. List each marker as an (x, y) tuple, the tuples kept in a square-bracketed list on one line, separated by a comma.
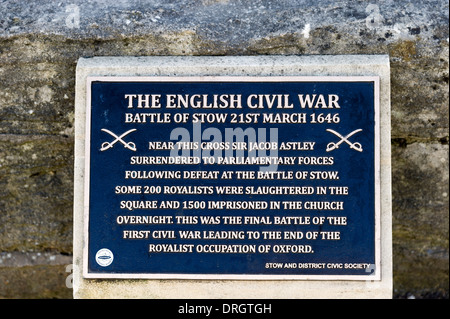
[(232, 178)]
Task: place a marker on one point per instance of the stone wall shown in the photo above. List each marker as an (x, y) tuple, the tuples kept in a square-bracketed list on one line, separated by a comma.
[(41, 41)]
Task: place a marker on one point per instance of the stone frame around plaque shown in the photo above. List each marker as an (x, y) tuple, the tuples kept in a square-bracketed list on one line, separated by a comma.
[(257, 66)]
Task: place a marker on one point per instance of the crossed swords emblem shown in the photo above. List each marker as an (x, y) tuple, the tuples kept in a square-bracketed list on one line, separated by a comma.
[(356, 146), (108, 145)]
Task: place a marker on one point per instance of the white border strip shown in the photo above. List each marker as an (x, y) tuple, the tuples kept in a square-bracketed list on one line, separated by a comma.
[(376, 79)]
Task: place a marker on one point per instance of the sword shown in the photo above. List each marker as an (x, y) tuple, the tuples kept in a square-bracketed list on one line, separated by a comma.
[(108, 145), (356, 146)]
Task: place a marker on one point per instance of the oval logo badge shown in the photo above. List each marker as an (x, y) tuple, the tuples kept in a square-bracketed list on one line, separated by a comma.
[(104, 257)]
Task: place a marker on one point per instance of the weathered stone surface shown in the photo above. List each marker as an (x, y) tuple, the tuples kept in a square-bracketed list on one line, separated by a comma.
[(35, 275), (40, 42), (420, 223), (35, 193)]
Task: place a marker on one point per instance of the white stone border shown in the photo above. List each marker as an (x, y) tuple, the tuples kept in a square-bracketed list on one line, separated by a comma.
[(274, 66)]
